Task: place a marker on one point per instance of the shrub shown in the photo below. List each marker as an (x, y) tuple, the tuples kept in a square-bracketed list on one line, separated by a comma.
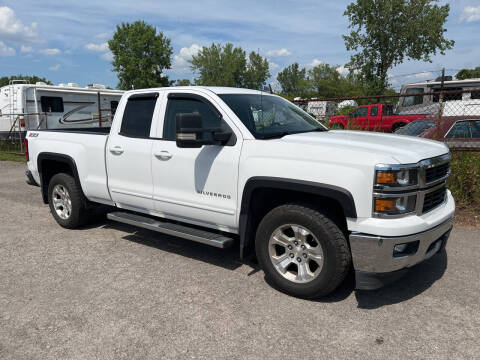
[(464, 181)]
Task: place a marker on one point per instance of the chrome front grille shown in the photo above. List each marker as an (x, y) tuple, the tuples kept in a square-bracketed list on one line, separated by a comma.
[(433, 199), (436, 172)]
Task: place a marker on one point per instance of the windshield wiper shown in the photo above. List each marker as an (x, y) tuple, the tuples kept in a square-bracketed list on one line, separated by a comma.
[(285, 133)]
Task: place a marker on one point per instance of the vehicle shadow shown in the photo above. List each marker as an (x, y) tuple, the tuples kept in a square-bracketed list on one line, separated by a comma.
[(225, 258), (415, 282)]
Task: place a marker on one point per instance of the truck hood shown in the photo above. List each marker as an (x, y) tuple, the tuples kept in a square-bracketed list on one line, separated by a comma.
[(403, 149)]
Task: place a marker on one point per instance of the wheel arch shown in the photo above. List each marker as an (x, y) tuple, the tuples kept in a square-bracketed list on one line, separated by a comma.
[(279, 191), (49, 164)]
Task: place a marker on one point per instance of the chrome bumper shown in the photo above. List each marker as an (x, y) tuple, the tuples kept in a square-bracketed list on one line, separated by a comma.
[(374, 254)]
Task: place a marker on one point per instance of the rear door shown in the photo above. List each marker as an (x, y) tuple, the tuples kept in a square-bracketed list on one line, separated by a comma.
[(374, 118), (129, 151), (196, 185)]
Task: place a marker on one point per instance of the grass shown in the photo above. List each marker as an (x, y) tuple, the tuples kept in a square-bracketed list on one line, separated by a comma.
[(9, 156)]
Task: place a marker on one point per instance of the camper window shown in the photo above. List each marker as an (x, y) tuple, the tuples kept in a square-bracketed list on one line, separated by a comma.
[(475, 95), (413, 100), (113, 106), (448, 96), (51, 104)]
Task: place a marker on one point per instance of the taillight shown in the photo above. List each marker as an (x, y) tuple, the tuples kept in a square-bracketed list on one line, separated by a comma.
[(25, 143)]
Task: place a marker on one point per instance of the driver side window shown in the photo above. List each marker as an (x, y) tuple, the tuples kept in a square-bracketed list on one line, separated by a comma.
[(210, 118)]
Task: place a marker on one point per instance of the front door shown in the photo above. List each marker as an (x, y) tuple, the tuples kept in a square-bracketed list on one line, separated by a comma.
[(197, 185)]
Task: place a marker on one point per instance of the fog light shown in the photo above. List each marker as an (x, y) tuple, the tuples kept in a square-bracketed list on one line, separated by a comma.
[(405, 249), (399, 248)]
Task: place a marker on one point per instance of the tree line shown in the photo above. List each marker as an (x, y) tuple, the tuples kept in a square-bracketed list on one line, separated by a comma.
[(382, 34)]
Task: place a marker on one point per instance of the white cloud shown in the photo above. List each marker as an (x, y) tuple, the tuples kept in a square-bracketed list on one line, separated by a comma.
[(12, 28), (6, 50), (471, 13), (342, 70), (107, 56), (54, 67), (26, 49), (315, 62), (97, 47), (272, 65), (181, 61), (278, 52), (49, 52), (102, 35)]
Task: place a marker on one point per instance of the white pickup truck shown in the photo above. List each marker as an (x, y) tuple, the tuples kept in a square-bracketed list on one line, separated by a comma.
[(223, 166)]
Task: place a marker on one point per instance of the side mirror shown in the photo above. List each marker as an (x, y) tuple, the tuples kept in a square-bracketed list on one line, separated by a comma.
[(190, 132), (189, 129)]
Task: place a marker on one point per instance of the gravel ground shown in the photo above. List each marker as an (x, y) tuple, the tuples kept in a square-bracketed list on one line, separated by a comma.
[(110, 291)]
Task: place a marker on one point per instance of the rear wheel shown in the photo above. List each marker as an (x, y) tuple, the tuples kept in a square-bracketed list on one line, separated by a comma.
[(301, 251), (67, 202)]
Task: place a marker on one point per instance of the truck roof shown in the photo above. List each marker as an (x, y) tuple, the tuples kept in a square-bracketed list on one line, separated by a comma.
[(215, 89)]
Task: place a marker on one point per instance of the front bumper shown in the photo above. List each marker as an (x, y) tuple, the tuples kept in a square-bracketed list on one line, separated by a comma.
[(373, 256)]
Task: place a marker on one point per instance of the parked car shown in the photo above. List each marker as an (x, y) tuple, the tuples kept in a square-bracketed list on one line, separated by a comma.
[(376, 117), (456, 131), (225, 165)]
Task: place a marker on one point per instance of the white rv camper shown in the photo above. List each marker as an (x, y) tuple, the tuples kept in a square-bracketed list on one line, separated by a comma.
[(466, 97), (40, 106)]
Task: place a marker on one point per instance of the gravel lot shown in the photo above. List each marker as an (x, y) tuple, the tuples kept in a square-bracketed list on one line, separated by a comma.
[(110, 291)]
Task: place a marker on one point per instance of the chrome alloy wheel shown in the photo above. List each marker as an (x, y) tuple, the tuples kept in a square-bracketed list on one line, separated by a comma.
[(61, 201), (296, 253)]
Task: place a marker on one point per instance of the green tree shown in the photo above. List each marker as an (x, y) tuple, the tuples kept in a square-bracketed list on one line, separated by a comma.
[(293, 80), (385, 32), (182, 82), (227, 65), (257, 71), (140, 55), (219, 65), (5, 80), (469, 73)]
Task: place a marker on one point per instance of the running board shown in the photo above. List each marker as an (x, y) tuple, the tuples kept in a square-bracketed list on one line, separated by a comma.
[(173, 229)]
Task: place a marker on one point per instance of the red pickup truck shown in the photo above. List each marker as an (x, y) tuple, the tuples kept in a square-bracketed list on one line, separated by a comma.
[(375, 117)]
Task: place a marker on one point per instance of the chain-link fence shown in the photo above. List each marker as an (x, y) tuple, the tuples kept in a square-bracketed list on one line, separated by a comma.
[(450, 115)]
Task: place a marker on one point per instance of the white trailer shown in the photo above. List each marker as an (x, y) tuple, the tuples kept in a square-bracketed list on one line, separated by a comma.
[(321, 109), (40, 106)]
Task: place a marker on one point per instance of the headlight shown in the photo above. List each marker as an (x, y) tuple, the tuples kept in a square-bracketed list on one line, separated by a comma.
[(395, 205), (395, 177)]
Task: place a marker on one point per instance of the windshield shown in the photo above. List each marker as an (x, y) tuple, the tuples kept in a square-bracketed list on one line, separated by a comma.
[(270, 116), (415, 128)]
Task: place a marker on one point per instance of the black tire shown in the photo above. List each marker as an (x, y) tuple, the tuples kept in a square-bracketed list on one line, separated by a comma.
[(336, 254), (79, 214), (397, 126)]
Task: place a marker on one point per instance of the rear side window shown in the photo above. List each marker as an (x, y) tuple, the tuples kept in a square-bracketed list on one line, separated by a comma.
[(137, 117), (455, 94), (51, 104), (475, 95), (374, 111), (210, 118), (475, 126), (460, 130)]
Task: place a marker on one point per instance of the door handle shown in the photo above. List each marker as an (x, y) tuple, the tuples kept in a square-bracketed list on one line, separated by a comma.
[(164, 155), (116, 150)]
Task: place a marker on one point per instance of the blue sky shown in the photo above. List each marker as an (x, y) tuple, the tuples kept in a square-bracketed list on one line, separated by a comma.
[(65, 40)]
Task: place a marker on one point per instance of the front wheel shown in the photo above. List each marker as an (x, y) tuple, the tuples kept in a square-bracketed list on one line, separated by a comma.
[(301, 251)]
